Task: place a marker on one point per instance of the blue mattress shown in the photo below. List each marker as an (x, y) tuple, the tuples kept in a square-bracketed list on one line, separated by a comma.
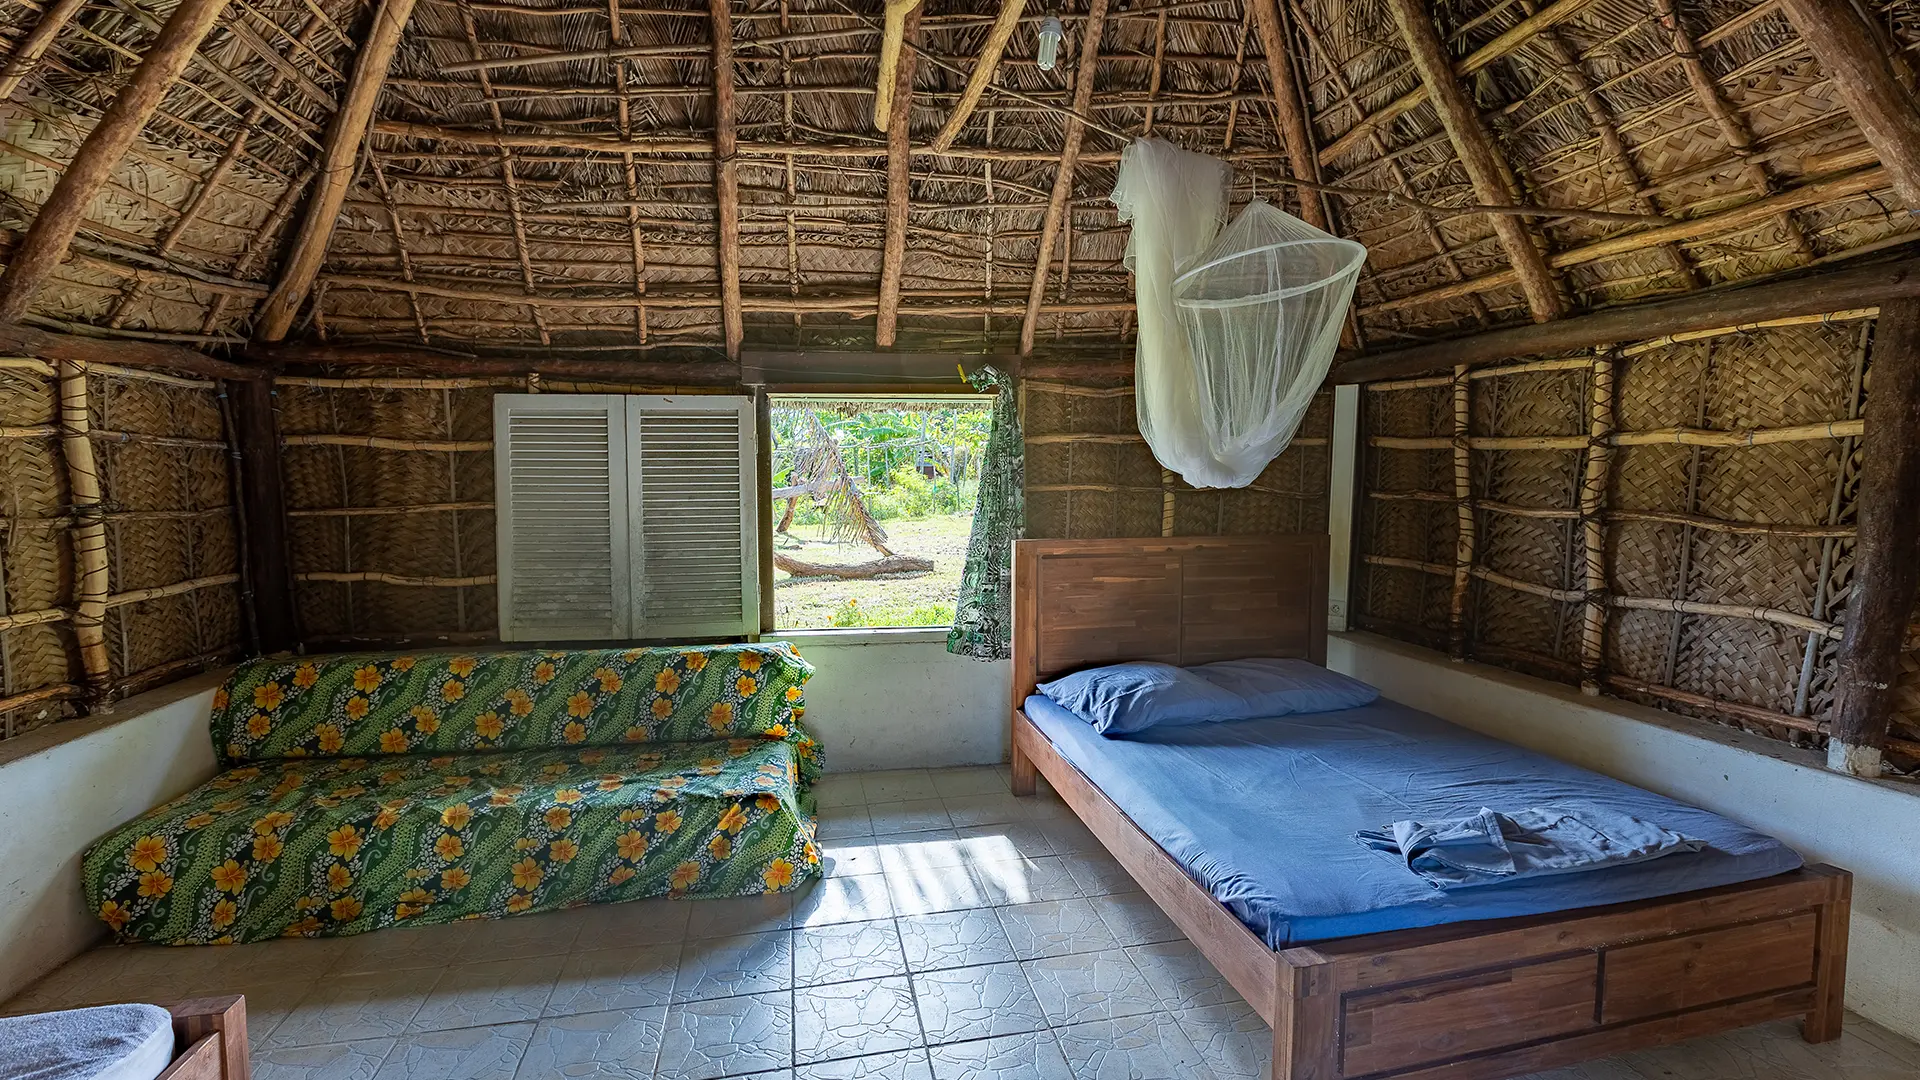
[(1262, 814)]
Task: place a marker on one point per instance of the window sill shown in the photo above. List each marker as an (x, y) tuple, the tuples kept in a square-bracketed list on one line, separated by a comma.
[(907, 635)]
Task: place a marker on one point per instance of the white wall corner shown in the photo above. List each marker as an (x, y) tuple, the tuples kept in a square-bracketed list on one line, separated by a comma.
[(1345, 461)]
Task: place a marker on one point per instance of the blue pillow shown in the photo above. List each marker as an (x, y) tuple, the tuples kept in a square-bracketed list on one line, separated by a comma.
[(1271, 687), (1124, 698)]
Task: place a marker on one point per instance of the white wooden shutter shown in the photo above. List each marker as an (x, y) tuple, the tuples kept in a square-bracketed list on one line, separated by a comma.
[(696, 554), (561, 488)]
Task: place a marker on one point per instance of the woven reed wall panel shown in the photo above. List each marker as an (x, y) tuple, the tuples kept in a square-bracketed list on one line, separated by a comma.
[(1392, 600), (420, 544), (36, 565)]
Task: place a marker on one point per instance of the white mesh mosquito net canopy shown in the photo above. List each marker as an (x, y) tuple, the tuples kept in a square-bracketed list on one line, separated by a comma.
[(1237, 327)]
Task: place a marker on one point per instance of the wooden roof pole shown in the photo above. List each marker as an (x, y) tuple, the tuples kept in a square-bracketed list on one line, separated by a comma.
[(895, 32), (893, 252), (36, 44), (40, 252), (1492, 178), (1886, 555), (1855, 59), (344, 134), (726, 178), (984, 67), (1091, 29), (1288, 107)]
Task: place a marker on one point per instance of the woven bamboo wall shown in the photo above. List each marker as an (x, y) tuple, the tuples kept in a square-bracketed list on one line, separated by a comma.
[(1718, 474), (1090, 474), (170, 599)]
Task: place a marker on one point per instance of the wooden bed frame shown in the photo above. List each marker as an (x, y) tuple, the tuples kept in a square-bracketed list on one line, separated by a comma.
[(209, 1040), (1469, 1001)]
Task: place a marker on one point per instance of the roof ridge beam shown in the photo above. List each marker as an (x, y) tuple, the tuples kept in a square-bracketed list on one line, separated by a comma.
[(1856, 60)]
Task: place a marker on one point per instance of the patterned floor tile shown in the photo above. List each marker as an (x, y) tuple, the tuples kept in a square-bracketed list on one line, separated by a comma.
[(951, 939), (727, 967), (1029, 1056), (835, 791), (1025, 881), (727, 1037), (1181, 977), (1135, 919), (400, 949), (933, 849), (900, 1065), (914, 815), (630, 978), (843, 899), (327, 1061), (1089, 986), (546, 934), (736, 915), (898, 785), (1054, 928), (637, 922), (1149, 1047), (845, 952), (354, 1007), (1067, 834), (997, 808), (475, 1053), (1232, 1039), (979, 780), (921, 891), (851, 856), (840, 822), (1098, 874), (853, 1019), (491, 992), (617, 1045), (976, 1002), (1007, 840)]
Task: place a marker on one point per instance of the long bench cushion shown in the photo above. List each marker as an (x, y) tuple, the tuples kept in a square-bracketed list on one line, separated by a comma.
[(324, 847), (361, 704)]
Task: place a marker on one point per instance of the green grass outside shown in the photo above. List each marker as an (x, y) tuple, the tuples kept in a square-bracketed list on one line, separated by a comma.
[(924, 599)]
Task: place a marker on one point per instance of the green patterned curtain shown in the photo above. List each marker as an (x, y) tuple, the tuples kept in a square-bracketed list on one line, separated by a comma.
[(983, 614)]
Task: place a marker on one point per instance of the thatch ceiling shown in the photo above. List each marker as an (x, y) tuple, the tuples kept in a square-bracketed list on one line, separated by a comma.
[(450, 240)]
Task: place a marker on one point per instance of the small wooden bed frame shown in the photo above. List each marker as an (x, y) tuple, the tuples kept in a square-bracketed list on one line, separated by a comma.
[(209, 1039), (1469, 1001)]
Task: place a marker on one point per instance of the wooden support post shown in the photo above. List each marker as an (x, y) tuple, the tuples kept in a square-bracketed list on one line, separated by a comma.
[(893, 35), (1492, 179), (1060, 202), (1593, 504), (893, 253), (726, 178), (89, 533), (1290, 109), (35, 44), (44, 247), (1853, 54), (1464, 537), (984, 67), (1886, 556), (342, 146), (270, 579)]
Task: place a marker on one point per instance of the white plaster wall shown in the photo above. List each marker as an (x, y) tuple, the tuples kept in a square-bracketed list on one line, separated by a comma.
[(899, 700), (1863, 826), (65, 785)]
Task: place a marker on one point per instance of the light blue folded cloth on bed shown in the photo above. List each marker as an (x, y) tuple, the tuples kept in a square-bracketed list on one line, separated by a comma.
[(1489, 847)]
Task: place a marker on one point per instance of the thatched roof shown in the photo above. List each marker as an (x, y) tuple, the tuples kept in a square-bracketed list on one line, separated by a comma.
[(596, 223)]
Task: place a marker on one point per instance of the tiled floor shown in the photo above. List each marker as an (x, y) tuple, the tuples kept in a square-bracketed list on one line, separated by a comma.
[(960, 933)]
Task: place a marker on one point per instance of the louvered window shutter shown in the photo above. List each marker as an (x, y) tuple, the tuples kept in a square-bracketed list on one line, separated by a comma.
[(695, 542), (561, 488)]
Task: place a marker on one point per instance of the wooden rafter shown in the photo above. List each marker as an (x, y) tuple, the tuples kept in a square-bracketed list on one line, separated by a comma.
[(1854, 56), (1058, 201), (629, 172), (1290, 108), (345, 132), (35, 45), (726, 178), (891, 46), (1492, 179), (507, 177), (34, 260), (893, 248), (984, 67)]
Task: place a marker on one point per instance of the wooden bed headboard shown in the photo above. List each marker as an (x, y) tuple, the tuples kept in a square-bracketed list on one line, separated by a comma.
[(1186, 600)]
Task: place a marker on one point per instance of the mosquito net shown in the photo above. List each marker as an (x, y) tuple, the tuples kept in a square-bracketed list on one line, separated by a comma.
[(1237, 327)]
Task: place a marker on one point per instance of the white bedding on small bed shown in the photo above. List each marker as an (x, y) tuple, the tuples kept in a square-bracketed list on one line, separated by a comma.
[(110, 1042)]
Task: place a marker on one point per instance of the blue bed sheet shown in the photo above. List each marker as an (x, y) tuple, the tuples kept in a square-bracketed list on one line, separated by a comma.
[(1262, 814)]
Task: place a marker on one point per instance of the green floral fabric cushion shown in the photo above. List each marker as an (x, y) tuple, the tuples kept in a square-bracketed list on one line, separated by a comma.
[(323, 847), (357, 704)]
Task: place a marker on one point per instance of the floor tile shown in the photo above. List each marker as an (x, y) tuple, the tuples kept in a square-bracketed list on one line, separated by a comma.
[(1006, 840), (732, 916), (853, 1019), (845, 952), (932, 849), (546, 934), (839, 822), (997, 808), (843, 899), (605, 979), (637, 922), (1149, 1047), (1089, 986), (916, 815), (1025, 881), (1054, 928), (898, 785), (327, 1061), (400, 949), (950, 939), (475, 1053), (1181, 977), (727, 1037), (617, 1045), (899, 1065), (726, 967), (1134, 919), (489, 992), (928, 889), (850, 856), (354, 1007), (1068, 835), (1028, 1056), (978, 780), (843, 790), (1098, 874), (976, 1002), (1232, 1039)]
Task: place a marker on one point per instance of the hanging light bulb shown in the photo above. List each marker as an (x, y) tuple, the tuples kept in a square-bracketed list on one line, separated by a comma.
[(1051, 32)]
